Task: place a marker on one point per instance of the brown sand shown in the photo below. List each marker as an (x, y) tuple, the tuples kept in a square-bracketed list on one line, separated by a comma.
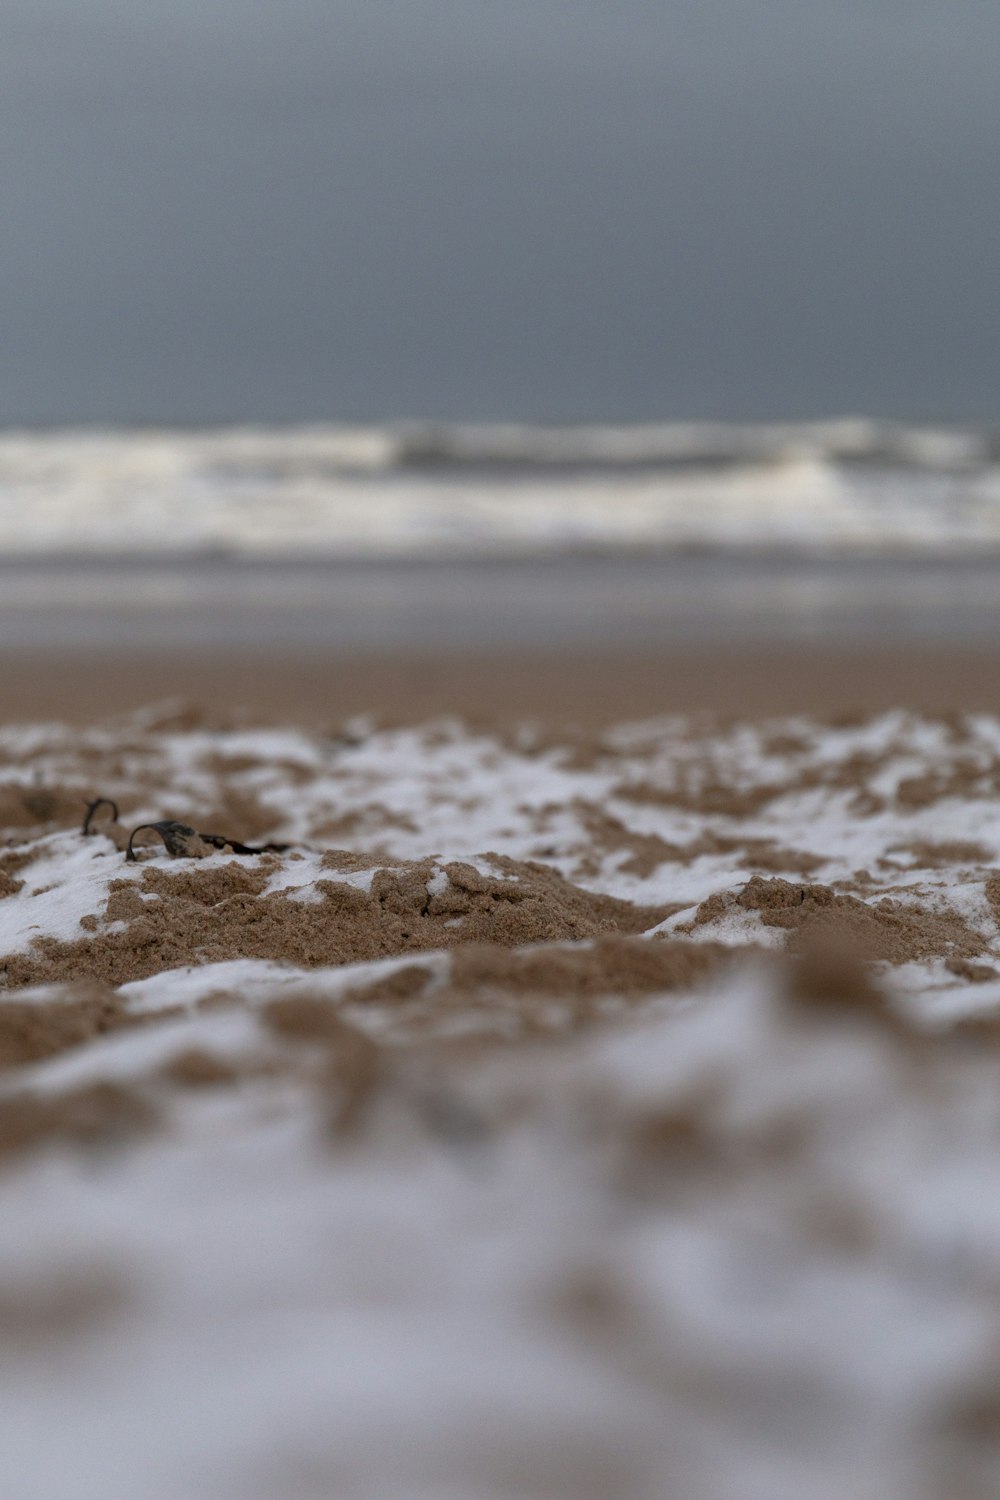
[(97, 1115), (612, 965), (888, 931), (590, 689), (502, 995), (827, 973), (188, 914), (197, 1068), (31, 1031), (348, 1067), (355, 1066), (209, 916)]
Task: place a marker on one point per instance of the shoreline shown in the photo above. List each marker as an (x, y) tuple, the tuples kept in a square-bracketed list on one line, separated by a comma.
[(555, 688)]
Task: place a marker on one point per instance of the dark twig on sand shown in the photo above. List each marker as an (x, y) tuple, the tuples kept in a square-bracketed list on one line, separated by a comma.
[(219, 841), (177, 838), (179, 841), (92, 808)]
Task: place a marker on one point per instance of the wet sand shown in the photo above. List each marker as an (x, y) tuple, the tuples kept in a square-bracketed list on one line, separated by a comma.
[(554, 687), (575, 639)]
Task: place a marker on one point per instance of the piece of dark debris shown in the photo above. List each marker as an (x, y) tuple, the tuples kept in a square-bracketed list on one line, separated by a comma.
[(178, 839), (183, 842), (219, 841), (95, 806)]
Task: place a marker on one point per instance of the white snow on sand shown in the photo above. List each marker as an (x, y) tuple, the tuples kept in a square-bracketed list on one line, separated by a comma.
[(723, 1245)]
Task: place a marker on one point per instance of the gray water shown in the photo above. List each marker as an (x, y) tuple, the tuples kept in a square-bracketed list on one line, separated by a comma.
[(584, 602)]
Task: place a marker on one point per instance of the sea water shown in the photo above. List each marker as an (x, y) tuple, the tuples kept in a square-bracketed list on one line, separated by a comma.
[(851, 486), (498, 536)]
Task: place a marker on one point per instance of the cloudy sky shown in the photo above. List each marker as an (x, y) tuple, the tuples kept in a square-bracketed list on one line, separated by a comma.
[(561, 209)]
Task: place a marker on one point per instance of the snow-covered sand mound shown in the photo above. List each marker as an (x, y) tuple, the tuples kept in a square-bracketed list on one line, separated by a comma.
[(604, 1116)]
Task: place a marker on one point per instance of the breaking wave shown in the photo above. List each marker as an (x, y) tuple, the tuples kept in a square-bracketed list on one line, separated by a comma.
[(410, 489)]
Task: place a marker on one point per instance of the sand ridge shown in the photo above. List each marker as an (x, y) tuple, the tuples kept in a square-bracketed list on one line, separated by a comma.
[(210, 914), (463, 837)]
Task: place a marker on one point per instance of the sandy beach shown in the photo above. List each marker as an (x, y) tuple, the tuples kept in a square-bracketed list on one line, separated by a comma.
[(452, 1107), (512, 1029), (589, 688)]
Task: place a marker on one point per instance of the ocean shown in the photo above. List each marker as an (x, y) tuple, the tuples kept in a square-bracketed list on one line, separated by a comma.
[(498, 535)]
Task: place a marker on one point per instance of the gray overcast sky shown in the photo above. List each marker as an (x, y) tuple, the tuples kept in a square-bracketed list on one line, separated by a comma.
[(561, 209)]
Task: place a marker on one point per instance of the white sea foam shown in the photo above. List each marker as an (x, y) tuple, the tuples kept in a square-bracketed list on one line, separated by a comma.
[(410, 490)]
